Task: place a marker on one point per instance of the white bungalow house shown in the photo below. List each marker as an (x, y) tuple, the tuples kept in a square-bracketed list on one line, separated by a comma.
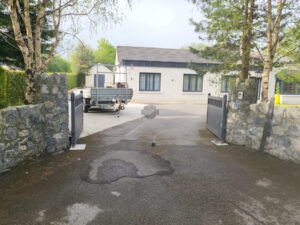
[(99, 76), (162, 75)]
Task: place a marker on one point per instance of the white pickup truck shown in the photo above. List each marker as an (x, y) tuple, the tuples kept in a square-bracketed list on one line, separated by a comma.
[(107, 98)]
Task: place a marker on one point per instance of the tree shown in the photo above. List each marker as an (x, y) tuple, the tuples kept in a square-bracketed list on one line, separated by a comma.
[(250, 25), (10, 54), (82, 59), (58, 64), (275, 34), (56, 12), (229, 23), (105, 53)]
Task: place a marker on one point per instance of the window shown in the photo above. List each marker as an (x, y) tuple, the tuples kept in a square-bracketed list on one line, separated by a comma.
[(288, 88), (192, 83), (226, 82), (149, 81)]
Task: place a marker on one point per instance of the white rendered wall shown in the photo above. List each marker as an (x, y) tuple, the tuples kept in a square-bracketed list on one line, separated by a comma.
[(109, 77), (171, 89)]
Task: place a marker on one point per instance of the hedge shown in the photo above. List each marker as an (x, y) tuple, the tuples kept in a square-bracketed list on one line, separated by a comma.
[(13, 86), (3, 88), (72, 80), (16, 87)]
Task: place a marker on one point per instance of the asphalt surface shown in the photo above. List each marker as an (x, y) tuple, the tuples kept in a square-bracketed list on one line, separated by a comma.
[(123, 179)]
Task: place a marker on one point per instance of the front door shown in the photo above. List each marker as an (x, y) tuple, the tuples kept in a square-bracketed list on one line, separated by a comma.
[(99, 80)]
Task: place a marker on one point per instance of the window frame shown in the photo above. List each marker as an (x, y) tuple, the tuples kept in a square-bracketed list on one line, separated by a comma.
[(146, 82), (197, 76)]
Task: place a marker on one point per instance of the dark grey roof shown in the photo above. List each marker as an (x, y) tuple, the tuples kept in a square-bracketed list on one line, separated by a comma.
[(159, 55)]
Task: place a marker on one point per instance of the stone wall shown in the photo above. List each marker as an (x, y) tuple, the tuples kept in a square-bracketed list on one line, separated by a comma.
[(245, 126), (31, 130)]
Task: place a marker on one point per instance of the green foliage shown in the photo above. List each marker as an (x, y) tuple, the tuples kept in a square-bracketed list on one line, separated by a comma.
[(13, 87), (223, 20), (82, 59), (72, 80), (80, 79), (10, 53), (16, 87), (105, 53), (3, 88), (58, 64), (277, 89), (289, 76), (225, 25), (289, 46)]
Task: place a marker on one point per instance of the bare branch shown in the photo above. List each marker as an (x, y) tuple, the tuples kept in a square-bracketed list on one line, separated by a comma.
[(259, 52), (286, 54), (4, 36)]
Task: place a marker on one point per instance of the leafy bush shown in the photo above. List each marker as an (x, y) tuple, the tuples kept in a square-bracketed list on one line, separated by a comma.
[(289, 76), (13, 86), (80, 79), (72, 80), (3, 88), (16, 87)]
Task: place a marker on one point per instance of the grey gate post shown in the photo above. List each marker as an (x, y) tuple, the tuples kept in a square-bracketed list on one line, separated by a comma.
[(76, 117)]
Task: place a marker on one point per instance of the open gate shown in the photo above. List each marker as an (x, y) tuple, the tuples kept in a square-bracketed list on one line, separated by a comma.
[(217, 115), (76, 116)]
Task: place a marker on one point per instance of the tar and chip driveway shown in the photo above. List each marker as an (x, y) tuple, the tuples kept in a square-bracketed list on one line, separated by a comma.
[(121, 179)]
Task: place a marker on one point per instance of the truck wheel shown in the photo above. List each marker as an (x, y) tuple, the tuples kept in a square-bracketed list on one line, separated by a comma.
[(86, 109)]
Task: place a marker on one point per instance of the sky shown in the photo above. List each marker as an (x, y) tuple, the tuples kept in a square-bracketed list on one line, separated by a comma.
[(150, 23)]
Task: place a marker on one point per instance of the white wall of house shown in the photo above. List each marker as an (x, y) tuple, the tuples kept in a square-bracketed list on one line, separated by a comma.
[(99, 69), (171, 89)]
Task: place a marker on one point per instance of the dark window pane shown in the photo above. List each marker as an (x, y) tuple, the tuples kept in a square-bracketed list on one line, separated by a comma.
[(185, 82), (199, 83), (192, 83), (142, 82), (156, 82), (149, 82)]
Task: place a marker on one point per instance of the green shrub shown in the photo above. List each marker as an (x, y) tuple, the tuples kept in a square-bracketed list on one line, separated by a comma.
[(3, 88), (13, 86), (80, 79), (16, 87), (72, 80)]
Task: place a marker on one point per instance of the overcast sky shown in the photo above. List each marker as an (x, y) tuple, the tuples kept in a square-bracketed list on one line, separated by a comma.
[(150, 23)]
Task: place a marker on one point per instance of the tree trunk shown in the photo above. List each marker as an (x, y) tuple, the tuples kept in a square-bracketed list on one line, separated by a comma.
[(244, 72), (247, 38), (265, 81), (272, 39), (30, 87)]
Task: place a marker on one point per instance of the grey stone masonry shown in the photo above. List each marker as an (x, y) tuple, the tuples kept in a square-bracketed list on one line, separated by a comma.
[(30, 130), (245, 126)]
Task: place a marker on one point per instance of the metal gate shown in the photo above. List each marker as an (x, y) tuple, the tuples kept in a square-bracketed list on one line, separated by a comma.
[(217, 115), (76, 116)]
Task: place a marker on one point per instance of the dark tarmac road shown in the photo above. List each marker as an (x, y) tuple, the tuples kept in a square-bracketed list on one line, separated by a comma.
[(183, 180)]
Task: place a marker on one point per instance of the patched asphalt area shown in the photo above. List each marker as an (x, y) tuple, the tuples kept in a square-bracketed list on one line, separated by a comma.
[(115, 165)]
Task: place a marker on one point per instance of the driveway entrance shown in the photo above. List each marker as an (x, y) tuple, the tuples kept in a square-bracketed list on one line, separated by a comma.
[(123, 179)]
